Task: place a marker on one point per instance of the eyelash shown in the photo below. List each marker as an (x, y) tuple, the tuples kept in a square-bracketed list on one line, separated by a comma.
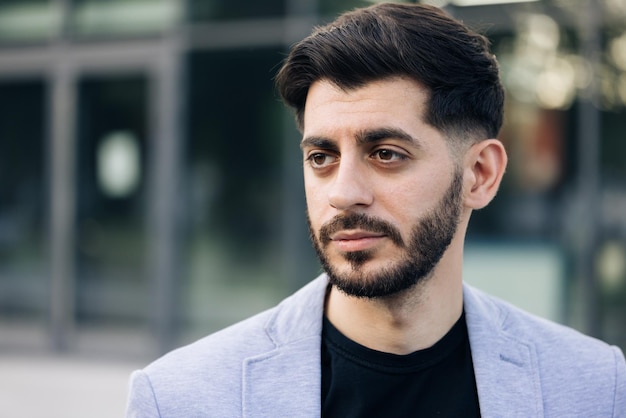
[(311, 159), (396, 156), (376, 155)]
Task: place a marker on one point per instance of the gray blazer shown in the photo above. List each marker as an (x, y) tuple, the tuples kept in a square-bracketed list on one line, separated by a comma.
[(269, 366)]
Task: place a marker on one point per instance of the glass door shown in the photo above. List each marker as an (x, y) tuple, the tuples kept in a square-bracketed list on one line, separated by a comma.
[(23, 203), (111, 158)]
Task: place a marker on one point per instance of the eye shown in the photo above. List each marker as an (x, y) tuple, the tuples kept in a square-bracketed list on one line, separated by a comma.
[(320, 159), (387, 155)]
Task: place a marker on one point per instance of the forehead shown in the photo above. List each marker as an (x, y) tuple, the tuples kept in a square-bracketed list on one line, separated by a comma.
[(391, 102)]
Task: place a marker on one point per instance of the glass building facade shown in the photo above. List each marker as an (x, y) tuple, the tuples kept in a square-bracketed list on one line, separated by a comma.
[(150, 177)]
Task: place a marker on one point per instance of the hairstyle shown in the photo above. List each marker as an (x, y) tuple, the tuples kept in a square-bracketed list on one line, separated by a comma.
[(417, 41)]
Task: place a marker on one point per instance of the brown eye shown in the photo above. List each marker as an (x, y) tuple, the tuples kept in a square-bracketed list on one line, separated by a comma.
[(385, 154), (388, 156), (318, 159)]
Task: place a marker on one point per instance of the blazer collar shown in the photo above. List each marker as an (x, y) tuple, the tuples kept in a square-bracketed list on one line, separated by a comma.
[(505, 364), (286, 382)]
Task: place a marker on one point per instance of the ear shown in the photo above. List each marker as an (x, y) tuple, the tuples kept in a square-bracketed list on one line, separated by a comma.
[(485, 163)]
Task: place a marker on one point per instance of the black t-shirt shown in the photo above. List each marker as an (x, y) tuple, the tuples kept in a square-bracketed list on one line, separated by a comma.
[(435, 382)]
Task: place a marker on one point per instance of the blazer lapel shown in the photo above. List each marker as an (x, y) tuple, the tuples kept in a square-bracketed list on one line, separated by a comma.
[(505, 366), (286, 382)]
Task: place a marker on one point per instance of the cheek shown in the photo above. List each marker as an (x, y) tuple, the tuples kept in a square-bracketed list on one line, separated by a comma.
[(315, 204), (410, 201)]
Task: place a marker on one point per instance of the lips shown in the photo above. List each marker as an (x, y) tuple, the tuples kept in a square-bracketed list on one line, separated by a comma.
[(351, 241), (354, 235), (357, 227)]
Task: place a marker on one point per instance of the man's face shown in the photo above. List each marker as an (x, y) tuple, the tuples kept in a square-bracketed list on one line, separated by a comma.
[(384, 194)]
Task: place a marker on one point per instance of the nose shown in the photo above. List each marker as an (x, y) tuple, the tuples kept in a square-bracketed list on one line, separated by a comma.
[(351, 187)]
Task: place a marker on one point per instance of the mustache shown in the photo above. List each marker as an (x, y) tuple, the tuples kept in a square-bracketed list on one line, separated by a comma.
[(359, 221)]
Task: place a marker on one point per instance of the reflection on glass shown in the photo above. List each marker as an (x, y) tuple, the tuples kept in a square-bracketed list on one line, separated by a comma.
[(119, 164), (465, 3), (203, 10), (234, 255), (29, 20), (124, 17), (23, 281), (617, 51), (332, 8), (111, 243)]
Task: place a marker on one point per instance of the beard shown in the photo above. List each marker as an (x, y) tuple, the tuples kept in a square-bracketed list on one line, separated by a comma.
[(430, 238)]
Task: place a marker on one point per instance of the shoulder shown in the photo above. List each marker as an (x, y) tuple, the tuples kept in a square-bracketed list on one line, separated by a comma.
[(297, 314), (572, 367), (179, 383), (546, 336), (208, 373), (216, 351)]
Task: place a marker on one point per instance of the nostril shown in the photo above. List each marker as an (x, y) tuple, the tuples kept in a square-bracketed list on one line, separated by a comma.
[(346, 193)]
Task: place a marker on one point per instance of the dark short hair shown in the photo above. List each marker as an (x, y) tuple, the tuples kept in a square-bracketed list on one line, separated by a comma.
[(417, 41)]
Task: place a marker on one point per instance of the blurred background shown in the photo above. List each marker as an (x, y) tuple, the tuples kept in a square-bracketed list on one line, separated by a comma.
[(151, 187)]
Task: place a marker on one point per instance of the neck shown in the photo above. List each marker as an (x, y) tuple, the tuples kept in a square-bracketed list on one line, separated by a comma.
[(400, 324)]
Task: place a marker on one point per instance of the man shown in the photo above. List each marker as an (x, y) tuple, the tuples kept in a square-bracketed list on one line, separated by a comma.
[(399, 108)]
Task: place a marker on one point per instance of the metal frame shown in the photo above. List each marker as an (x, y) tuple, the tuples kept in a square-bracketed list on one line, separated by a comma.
[(62, 62)]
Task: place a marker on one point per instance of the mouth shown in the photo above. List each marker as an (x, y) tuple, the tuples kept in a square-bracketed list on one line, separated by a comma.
[(354, 235), (356, 230), (349, 241)]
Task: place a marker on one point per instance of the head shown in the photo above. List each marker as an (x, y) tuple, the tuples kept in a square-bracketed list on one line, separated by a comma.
[(416, 41), (392, 101)]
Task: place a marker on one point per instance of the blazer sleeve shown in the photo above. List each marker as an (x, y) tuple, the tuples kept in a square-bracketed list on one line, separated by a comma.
[(620, 386), (141, 399)]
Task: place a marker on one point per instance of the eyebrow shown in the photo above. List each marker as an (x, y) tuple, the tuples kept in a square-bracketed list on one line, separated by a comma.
[(368, 136), (380, 134), (318, 142)]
